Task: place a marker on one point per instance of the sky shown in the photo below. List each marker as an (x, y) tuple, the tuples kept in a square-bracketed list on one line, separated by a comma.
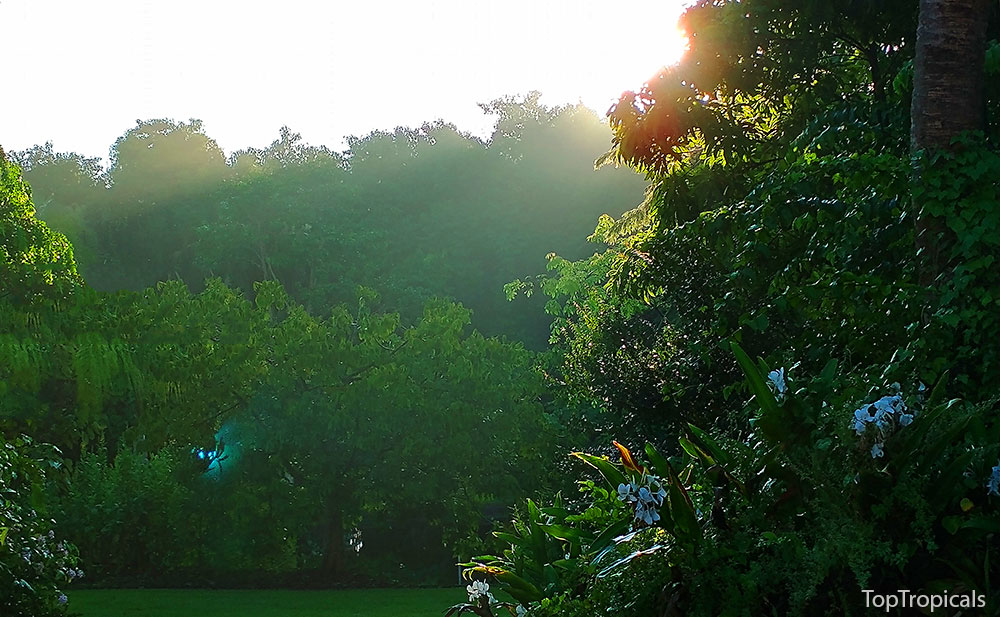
[(80, 74)]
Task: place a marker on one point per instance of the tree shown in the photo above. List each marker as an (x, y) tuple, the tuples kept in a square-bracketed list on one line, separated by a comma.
[(948, 71), (162, 159), (67, 189), (35, 262), (756, 75), (161, 182), (947, 99), (369, 418)]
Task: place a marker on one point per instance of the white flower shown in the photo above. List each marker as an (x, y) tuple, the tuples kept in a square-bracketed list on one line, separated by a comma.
[(861, 418), (479, 589), (647, 499), (891, 404), (993, 484), (883, 413), (646, 514), (644, 495), (521, 611), (777, 379), (652, 493)]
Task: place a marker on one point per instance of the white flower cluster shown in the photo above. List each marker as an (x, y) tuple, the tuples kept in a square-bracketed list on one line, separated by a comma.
[(647, 498), (778, 384), (884, 414), (479, 589), (993, 484)]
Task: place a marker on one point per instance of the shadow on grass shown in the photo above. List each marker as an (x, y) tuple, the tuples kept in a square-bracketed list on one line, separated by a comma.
[(264, 603)]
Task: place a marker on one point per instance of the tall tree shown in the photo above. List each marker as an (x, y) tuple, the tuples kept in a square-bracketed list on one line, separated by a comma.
[(947, 95), (948, 71)]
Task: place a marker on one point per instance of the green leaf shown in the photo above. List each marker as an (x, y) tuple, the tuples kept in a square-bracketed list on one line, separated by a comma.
[(951, 524), (660, 465), (609, 470), (937, 392), (539, 548), (606, 537), (829, 371), (985, 523), (520, 589), (770, 419), (682, 513), (567, 533), (509, 537), (706, 442), (689, 447), (624, 560)]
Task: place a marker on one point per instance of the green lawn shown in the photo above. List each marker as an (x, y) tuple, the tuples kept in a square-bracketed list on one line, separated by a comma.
[(240, 603)]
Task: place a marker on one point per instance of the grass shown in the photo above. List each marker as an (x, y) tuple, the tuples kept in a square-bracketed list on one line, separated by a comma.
[(268, 603)]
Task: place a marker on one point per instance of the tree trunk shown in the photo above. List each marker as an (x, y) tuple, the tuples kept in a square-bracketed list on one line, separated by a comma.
[(948, 71), (333, 559), (947, 98)]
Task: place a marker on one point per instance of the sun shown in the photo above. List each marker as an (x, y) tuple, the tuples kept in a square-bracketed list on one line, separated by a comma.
[(631, 68)]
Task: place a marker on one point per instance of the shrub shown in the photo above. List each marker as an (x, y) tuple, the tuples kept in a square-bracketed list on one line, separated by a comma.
[(827, 492), (35, 564)]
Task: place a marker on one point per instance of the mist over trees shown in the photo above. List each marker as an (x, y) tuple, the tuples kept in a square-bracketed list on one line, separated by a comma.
[(411, 213)]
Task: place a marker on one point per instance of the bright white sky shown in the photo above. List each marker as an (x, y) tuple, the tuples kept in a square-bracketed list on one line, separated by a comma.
[(80, 73)]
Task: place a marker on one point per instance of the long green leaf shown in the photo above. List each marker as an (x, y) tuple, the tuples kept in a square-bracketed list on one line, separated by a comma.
[(509, 537), (829, 371), (937, 392), (567, 533), (770, 419), (682, 513), (606, 537), (609, 470), (539, 548), (520, 589), (674, 480), (659, 463), (705, 441), (628, 558), (695, 451)]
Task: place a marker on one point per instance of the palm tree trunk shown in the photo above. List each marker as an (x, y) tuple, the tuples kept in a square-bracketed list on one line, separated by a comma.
[(947, 98)]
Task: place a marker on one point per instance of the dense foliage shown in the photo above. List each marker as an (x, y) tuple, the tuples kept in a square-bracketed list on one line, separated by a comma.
[(214, 438), (35, 564), (35, 262), (326, 417), (781, 216), (411, 213)]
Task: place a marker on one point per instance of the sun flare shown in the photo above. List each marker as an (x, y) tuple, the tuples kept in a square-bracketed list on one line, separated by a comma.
[(327, 70), (617, 73)]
